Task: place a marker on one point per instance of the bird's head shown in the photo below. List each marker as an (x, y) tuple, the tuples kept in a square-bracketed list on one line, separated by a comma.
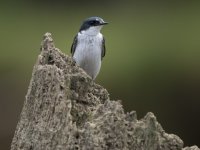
[(92, 25)]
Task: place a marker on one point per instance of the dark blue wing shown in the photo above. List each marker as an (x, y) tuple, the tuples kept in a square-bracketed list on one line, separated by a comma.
[(103, 49), (74, 44)]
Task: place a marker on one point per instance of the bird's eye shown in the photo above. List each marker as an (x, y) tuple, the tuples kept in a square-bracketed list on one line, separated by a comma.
[(93, 22)]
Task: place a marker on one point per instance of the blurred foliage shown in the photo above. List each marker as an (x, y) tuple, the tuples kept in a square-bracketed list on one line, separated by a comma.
[(152, 61)]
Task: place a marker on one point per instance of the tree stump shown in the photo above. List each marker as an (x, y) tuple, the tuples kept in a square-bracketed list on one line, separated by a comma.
[(65, 109)]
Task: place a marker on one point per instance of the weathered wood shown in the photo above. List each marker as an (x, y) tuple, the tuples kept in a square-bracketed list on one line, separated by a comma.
[(65, 110)]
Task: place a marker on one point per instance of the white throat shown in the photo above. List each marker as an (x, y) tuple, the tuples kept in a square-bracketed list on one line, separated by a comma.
[(92, 31)]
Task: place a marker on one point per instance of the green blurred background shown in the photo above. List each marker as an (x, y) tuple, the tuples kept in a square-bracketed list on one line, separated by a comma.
[(152, 61)]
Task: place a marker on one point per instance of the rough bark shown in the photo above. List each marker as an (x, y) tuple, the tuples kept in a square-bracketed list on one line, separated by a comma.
[(65, 110)]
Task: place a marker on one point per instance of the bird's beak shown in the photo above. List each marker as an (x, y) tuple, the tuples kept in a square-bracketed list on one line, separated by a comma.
[(104, 23)]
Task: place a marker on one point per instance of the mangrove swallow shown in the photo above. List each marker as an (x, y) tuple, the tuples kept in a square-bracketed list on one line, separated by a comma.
[(88, 48)]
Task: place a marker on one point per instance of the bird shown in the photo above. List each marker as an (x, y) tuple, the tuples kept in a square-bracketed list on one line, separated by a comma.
[(88, 47)]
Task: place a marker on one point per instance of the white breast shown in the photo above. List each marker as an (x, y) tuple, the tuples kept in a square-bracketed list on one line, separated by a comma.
[(88, 53)]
